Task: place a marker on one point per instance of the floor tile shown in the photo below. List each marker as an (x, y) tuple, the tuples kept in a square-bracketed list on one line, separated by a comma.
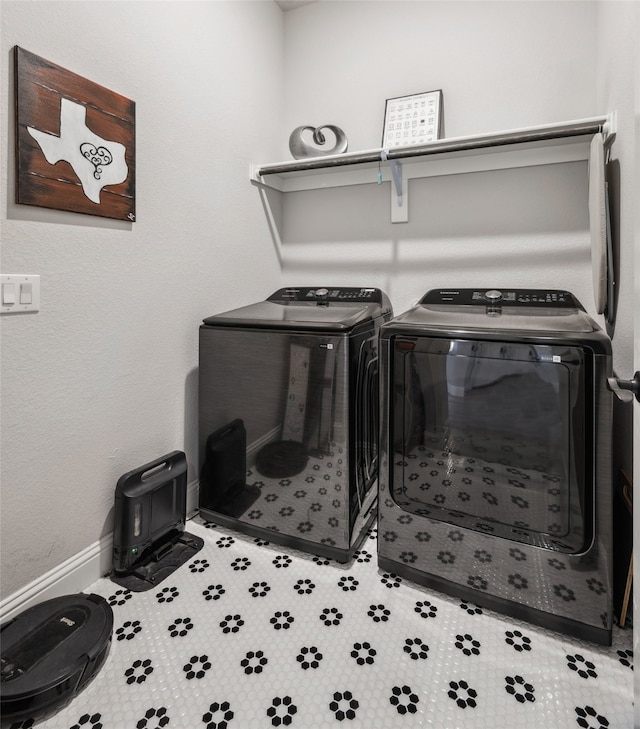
[(250, 635)]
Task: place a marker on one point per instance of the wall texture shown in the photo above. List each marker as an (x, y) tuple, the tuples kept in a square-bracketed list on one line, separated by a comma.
[(501, 66), (104, 378)]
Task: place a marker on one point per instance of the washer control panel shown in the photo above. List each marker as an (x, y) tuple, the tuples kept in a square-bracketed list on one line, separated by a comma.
[(325, 293), (552, 298)]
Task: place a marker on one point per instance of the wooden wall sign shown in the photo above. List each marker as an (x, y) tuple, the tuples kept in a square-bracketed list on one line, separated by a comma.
[(75, 142)]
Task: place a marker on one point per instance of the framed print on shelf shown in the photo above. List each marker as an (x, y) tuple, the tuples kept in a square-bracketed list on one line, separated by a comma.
[(414, 119)]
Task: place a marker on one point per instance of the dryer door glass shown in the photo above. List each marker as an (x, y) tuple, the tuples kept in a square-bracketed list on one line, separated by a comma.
[(490, 436)]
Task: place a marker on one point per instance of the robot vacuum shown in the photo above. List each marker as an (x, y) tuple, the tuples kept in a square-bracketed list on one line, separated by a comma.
[(50, 652)]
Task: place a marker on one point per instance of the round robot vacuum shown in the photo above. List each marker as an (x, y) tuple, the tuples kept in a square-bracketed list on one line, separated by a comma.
[(50, 652), (281, 459)]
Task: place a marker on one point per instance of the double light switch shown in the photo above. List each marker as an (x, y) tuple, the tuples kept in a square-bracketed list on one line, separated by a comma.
[(19, 293)]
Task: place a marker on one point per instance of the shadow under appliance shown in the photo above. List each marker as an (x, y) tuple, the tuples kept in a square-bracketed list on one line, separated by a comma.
[(495, 482), (288, 417)]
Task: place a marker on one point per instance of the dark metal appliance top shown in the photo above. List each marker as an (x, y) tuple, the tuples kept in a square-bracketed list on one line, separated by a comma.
[(539, 311), (309, 308)]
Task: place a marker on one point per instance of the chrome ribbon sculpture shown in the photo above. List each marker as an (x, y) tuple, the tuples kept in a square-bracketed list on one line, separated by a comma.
[(300, 147)]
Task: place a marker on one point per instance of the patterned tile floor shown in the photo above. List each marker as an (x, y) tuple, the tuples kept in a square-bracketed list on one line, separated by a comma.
[(249, 635)]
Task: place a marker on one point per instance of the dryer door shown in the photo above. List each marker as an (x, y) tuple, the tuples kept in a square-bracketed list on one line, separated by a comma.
[(491, 436)]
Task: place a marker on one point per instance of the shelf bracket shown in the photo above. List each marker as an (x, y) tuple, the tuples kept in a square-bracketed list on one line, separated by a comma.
[(399, 190)]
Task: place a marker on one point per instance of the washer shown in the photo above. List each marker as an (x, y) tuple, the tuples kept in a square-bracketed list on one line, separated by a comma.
[(288, 417), (495, 482)]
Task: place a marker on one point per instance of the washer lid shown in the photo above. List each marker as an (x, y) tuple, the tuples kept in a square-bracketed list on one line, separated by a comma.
[(536, 310), (317, 309)]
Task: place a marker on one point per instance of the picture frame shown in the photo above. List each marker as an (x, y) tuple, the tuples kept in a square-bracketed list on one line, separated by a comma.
[(75, 141), (411, 120)]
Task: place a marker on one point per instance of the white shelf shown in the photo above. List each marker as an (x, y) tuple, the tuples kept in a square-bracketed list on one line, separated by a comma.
[(548, 144)]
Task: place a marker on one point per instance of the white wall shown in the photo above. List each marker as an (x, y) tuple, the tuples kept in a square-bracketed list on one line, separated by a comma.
[(500, 66), (103, 379)]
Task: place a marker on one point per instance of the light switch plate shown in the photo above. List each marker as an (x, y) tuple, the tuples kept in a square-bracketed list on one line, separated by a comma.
[(18, 286)]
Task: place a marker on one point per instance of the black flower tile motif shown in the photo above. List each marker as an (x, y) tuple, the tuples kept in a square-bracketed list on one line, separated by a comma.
[(196, 667), (231, 624), (281, 620), (128, 630), (470, 608), (464, 696), (446, 557), (564, 592), (390, 581), (416, 649), (154, 719), (309, 657), (596, 586), (304, 587), (254, 662), (259, 589), (362, 555), (282, 561), (331, 616), (517, 687), (588, 718), (425, 609), (363, 654), (86, 721), (282, 711), (583, 667), (344, 706), (240, 564), (468, 645), (120, 597), (626, 658), (378, 613), (138, 671), (219, 715), (213, 592), (483, 556), (404, 700), (180, 627), (348, 583), (518, 581), (167, 594), (199, 565), (517, 640), (408, 557)]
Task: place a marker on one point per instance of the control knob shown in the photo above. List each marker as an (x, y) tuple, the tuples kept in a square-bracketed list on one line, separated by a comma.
[(493, 295)]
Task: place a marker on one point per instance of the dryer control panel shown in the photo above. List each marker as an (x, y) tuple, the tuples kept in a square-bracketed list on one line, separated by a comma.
[(548, 298), (326, 293)]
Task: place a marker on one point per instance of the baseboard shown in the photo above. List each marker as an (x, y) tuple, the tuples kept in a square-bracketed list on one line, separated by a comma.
[(76, 573), (253, 448)]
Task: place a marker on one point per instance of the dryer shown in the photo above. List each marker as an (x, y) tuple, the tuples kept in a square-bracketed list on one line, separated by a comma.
[(495, 482), (289, 417)]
